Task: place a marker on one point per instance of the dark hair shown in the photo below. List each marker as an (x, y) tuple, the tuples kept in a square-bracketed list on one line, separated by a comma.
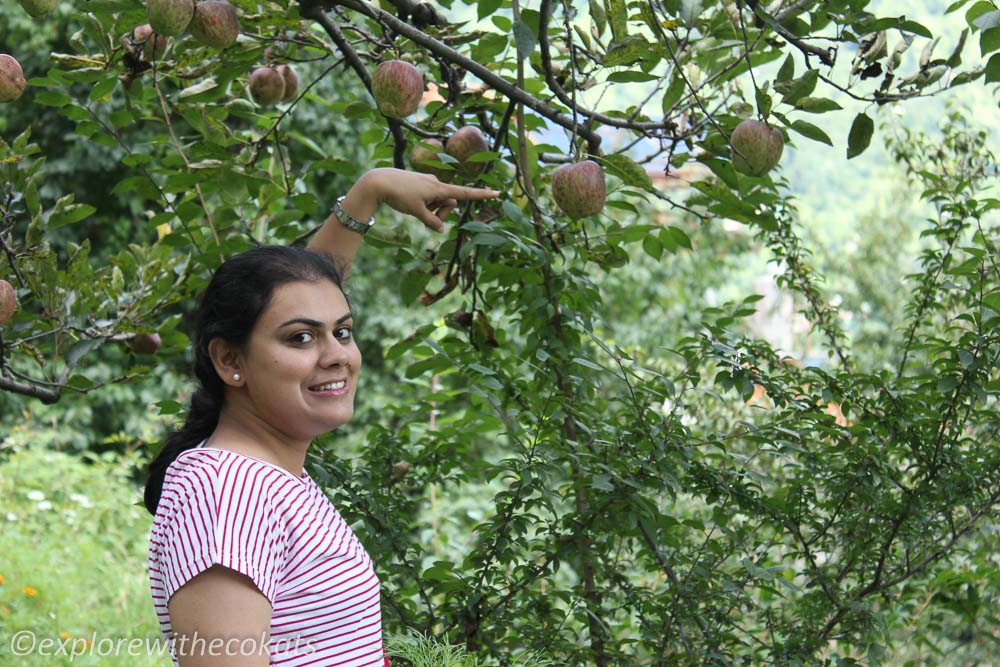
[(240, 290)]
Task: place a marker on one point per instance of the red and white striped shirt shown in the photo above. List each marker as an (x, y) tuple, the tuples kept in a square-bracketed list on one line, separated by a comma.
[(222, 507)]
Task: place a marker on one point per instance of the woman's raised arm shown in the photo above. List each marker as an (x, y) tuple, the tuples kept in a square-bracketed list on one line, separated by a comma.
[(412, 193)]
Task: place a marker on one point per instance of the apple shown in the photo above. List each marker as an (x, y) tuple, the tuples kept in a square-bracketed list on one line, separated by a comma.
[(267, 86), (291, 82), (419, 156), (464, 143), (215, 23), (39, 9), (397, 88), (153, 46), (11, 78), (145, 343), (8, 301), (400, 468), (579, 188), (756, 147), (169, 17)]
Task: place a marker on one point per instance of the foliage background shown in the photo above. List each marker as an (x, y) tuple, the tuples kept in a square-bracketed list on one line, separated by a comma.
[(481, 505)]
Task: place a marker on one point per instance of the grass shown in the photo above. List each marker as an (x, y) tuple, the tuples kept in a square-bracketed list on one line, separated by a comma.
[(73, 560)]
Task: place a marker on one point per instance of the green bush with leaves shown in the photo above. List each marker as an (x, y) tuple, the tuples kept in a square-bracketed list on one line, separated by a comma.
[(532, 477)]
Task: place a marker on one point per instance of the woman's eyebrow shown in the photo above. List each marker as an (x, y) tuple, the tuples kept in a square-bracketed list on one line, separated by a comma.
[(313, 323)]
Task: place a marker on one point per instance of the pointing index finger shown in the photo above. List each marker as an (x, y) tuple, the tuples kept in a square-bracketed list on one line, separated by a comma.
[(459, 192)]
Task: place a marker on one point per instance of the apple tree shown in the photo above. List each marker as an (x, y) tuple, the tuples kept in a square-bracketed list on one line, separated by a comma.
[(626, 506)]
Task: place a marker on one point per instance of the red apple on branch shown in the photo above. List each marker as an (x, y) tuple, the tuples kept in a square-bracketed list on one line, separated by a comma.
[(11, 78), (397, 88), (756, 147), (215, 23), (463, 144), (169, 17), (8, 301), (153, 46), (267, 86), (291, 82), (579, 189), (420, 155), (145, 343)]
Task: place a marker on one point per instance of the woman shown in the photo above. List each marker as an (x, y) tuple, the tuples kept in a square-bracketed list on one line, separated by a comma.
[(249, 563)]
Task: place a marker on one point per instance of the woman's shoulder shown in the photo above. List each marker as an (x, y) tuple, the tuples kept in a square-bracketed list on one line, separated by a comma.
[(221, 470)]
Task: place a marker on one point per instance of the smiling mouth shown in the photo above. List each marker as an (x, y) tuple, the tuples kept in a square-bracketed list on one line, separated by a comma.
[(330, 386)]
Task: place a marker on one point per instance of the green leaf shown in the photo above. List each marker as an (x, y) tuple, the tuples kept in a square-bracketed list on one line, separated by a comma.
[(796, 89), (860, 136), (652, 246), (412, 284), (78, 381), (487, 7), (955, 59), (489, 239), (810, 131), (631, 77), (987, 20), (673, 95), (489, 47), (723, 169), (916, 28), (206, 86), (103, 89), (52, 98), (169, 407), (947, 383), (817, 105), (502, 22), (989, 40), (618, 18), (588, 363), (764, 102), (993, 69), (120, 118), (435, 363), (628, 52), (679, 236), (411, 341), (787, 69), (602, 483), (900, 23), (524, 38), (992, 301), (631, 173), (308, 142), (690, 10), (67, 215), (598, 15)]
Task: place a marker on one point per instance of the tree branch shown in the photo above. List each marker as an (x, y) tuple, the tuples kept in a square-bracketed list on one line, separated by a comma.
[(315, 12)]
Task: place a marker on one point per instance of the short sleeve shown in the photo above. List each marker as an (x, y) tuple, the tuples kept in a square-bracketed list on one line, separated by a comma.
[(224, 518)]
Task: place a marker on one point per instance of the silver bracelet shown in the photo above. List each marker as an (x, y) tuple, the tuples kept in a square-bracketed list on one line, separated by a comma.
[(347, 221)]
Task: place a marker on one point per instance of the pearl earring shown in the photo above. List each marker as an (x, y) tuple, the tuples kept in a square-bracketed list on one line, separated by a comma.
[(236, 376)]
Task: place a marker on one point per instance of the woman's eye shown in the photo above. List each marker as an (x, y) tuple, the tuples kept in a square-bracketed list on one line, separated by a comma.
[(343, 333), (302, 337)]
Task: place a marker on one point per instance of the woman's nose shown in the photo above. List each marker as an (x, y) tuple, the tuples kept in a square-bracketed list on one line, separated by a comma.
[(334, 352)]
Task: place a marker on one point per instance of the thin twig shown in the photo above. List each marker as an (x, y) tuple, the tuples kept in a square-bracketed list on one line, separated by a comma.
[(180, 150)]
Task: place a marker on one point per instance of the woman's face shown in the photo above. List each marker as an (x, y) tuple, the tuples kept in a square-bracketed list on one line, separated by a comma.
[(300, 366)]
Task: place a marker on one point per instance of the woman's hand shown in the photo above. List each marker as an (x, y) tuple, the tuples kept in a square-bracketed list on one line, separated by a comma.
[(421, 195)]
